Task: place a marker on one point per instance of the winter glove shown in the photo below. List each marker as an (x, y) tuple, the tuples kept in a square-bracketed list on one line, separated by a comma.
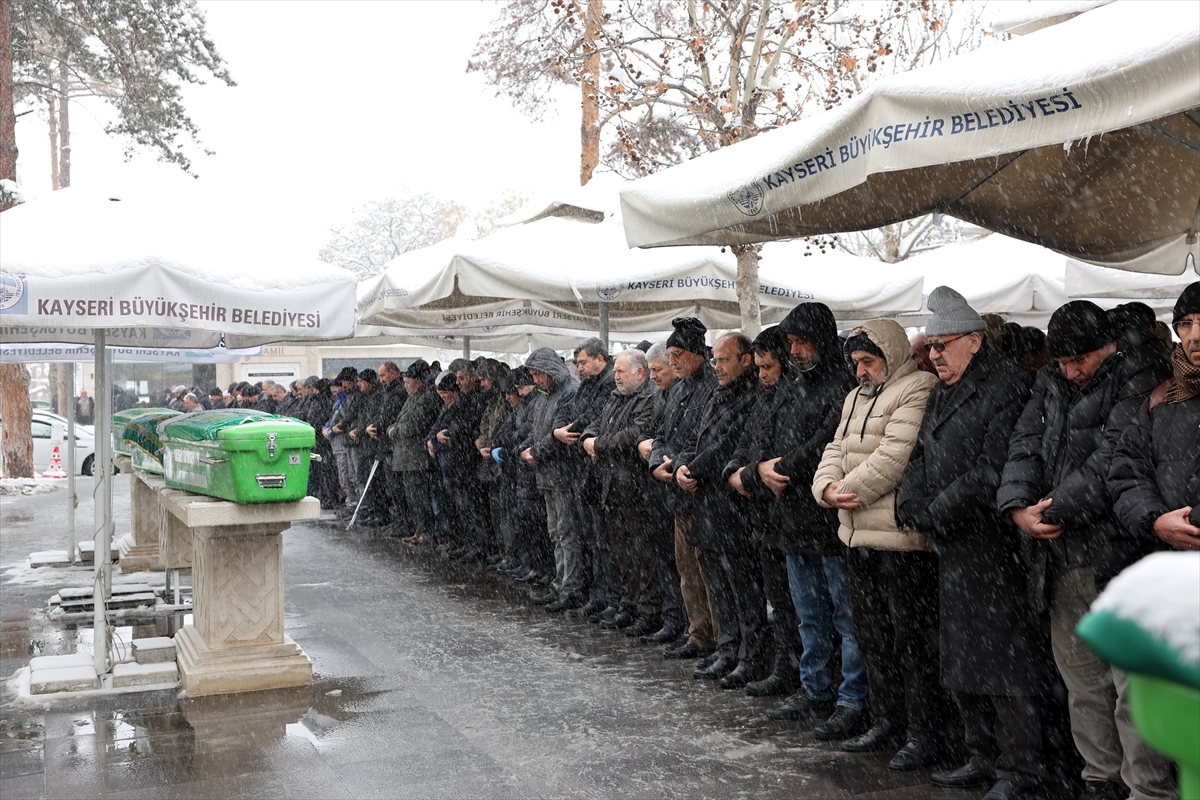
[(498, 455)]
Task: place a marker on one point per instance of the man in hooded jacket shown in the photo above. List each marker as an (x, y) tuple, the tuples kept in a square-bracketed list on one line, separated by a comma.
[(781, 464), (995, 651), (1054, 489), (893, 576), (540, 449)]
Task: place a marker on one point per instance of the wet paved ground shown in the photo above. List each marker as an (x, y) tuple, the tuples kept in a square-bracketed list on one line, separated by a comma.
[(432, 680)]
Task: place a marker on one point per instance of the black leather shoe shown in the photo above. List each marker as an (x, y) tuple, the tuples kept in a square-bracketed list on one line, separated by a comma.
[(716, 670), (545, 599), (845, 723), (916, 754), (774, 685), (1005, 790), (689, 651), (662, 635), (529, 577), (564, 603), (608, 614), (586, 610), (641, 627), (620, 621), (879, 738), (742, 675), (801, 707), (965, 777)]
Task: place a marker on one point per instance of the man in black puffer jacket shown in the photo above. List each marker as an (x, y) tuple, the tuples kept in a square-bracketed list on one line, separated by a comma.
[(1054, 488), (719, 529), (1155, 473), (782, 463)]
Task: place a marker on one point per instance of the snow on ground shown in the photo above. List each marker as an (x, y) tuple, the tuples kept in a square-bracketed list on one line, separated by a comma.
[(1162, 594), (15, 486)]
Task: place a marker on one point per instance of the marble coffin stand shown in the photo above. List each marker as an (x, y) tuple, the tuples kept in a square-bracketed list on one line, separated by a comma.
[(237, 643), (139, 549)]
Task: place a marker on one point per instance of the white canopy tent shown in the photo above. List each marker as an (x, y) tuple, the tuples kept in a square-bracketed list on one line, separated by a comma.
[(1083, 137), (996, 274), (167, 270), (561, 275), (31, 353), (1108, 288)]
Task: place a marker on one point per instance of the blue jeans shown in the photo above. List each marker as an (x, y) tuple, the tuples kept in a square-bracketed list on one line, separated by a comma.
[(821, 595)]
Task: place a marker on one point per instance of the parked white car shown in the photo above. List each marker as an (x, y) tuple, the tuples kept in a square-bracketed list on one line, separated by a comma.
[(43, 444)]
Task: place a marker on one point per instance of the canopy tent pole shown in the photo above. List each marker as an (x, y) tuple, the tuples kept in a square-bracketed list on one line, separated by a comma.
[(604, 323), (71, 466), (107, 495), (102, 462), (467, 347)]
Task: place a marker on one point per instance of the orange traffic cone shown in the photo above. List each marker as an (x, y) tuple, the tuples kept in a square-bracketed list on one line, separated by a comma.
[(56, 468)]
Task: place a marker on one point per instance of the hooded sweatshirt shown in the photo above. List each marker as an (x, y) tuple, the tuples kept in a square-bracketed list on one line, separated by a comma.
[(553, 470), (874, 438)]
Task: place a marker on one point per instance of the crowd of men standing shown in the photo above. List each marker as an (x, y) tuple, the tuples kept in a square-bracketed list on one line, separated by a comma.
[(898, 537)]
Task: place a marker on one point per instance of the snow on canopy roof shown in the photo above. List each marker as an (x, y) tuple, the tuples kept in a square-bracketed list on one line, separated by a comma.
[(562, 260), (164, 261), (1105, 70), (1020, 18), (113, 234)]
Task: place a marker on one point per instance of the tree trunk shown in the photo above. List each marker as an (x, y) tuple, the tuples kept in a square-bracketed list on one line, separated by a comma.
[(64, 127), (891, 243), (53, 117), (590, 84), (16, 445), (8, 122), (747, 288)]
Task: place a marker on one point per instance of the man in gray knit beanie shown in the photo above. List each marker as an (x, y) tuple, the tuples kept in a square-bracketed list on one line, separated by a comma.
[(951, 314), (953, 334)]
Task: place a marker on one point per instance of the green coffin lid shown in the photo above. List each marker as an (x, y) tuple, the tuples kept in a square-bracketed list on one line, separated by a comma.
[(141, 431), (238, 429)]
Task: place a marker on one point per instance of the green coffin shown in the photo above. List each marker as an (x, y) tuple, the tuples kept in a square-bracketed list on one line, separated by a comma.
[(121, 420), (243, 456), (141, 438)]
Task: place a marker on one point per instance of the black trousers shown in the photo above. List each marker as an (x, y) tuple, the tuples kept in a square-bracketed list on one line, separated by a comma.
[(531, 542), (418, 495), (894, 600), (396, 509), (785, 625), (627, 530), (1004, 736), (734, 581)]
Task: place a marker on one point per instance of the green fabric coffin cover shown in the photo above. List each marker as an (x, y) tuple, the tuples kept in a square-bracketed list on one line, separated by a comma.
[(140, 434), (238, 455), (121, 420)]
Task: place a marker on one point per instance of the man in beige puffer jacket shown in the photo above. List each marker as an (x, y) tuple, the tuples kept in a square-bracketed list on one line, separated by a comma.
[(893, 576)]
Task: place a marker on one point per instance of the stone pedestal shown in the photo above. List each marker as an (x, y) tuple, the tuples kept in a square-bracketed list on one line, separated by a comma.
[(237, 643), (174, 536), (140, 549)]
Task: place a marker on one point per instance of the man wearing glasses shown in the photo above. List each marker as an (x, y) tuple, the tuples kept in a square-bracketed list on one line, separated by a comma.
[(995, 651), (1054, 488), (1155, 474)]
